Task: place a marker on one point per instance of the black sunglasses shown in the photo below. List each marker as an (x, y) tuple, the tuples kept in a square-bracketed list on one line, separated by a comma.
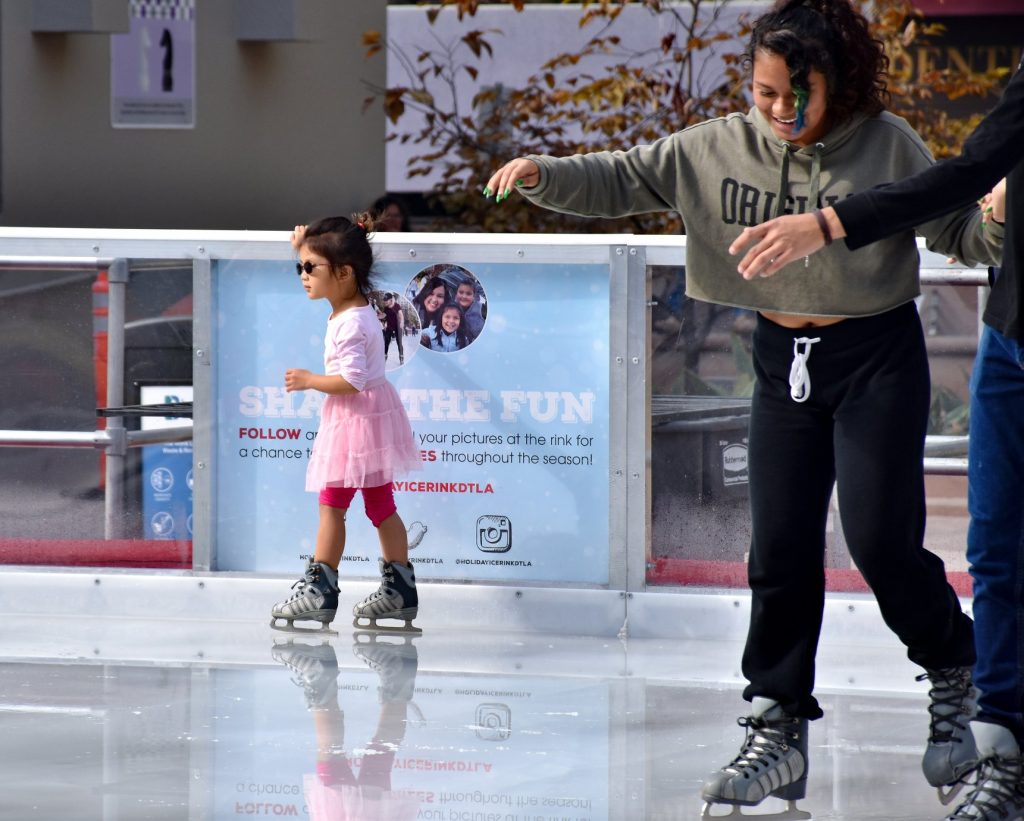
[(307, 267)]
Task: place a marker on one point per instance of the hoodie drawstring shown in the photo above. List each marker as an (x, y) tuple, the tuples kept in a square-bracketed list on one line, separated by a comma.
[(799, 376)]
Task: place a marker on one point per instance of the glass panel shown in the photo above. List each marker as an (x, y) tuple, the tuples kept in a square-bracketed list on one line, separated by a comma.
[(53, 373)]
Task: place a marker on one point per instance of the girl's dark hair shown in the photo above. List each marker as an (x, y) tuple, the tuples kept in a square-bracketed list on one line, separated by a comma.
[(834, 38), (343, 241)]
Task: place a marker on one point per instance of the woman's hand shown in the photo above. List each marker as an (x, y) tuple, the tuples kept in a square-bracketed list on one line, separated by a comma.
[(298, 236), (520, 172), (993, 204), (777, 243), (297, 379)]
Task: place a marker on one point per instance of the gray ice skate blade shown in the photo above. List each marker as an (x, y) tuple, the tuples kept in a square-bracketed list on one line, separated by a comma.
[(289, 626), (791, 813)]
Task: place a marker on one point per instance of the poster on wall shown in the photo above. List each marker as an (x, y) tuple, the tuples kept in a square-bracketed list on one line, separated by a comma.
[(166, 470), (508, 399), (153, 66)]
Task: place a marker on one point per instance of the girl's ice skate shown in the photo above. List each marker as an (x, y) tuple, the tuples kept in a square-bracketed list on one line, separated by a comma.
[(772, 762), (951, 755), (395, 599), (316, 599)]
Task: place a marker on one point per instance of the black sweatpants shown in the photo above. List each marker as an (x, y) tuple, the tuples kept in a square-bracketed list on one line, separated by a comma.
[(862, 428)]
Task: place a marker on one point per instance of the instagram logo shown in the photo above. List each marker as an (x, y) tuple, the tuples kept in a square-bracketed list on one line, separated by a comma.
[(494, 534), (493, 722)]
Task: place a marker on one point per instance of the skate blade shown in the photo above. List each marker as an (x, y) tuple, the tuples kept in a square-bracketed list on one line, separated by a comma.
[(948, 793), (791, 813), (289, 627), (373, 627)]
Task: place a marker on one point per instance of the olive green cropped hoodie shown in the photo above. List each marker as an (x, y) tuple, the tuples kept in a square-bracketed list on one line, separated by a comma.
[(725, 174)]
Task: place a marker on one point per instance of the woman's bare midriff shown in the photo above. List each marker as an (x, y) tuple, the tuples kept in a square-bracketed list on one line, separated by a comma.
[(800, 320)]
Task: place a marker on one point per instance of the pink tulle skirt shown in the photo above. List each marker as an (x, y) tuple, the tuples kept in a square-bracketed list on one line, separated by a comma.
[(364, 440)]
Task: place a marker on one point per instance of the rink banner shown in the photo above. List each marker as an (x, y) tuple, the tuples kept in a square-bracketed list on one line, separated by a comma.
[(503, 370)]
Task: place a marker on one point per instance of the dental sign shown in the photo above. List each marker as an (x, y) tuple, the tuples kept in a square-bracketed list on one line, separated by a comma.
[(511, 418)]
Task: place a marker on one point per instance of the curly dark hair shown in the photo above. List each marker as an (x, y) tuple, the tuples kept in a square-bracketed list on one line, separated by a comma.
[(343, 241), (834, 38)]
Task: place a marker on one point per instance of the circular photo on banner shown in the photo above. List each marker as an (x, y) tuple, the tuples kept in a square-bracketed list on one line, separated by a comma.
[(400, 324), (451, 306)]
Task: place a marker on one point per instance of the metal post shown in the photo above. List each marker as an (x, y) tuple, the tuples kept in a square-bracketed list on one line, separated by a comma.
[(114, 527)]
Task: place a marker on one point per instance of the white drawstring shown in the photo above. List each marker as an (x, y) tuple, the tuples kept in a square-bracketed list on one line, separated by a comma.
[(799, 378)]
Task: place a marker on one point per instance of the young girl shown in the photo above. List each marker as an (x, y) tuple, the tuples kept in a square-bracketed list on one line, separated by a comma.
[(842, 390), (364, 440), (450, 334)]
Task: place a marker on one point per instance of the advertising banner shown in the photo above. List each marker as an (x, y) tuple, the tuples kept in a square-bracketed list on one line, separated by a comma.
[(166, 470), (507, 395)]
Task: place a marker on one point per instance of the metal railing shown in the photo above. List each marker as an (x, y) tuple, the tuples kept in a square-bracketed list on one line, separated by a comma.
[(114, 440)]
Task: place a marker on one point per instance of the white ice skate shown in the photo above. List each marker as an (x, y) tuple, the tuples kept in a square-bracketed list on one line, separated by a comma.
[(951, 755), (771, 763), (316, 599), (395, 599)]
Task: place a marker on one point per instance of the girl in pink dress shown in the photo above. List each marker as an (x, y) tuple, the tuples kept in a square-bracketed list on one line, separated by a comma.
[(365, 440)]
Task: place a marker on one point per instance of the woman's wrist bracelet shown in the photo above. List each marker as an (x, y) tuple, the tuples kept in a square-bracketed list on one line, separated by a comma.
[(823, 225)]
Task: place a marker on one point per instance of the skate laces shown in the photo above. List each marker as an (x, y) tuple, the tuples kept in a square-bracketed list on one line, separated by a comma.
[(999, 784), (950, 690), (308, 579), (799, 377), (764, 741)]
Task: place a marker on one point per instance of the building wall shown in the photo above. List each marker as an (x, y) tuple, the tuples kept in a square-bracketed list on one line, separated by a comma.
[(279, 137)]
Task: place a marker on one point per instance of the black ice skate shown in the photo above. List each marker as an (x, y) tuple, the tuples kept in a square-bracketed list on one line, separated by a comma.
[(316, 599), (316, 670), (771, 762), (395, 599), (395, 661), (998, 792), (950, 755)]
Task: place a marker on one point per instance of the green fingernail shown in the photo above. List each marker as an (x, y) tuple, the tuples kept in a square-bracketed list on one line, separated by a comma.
[(519, 182), (508, 192), (487, 191)]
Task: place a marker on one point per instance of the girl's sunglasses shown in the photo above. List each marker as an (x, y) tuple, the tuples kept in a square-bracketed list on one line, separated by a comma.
[(307, 267)]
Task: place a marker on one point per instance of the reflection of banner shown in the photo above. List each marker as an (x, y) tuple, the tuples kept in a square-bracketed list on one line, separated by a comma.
[(512, 422), (475, 758), (166, 470)]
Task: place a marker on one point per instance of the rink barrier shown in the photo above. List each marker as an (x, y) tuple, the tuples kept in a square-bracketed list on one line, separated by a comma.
[(629, 493)]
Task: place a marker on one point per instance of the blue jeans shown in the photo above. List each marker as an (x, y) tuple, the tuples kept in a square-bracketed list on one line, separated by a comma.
[(995, 538)]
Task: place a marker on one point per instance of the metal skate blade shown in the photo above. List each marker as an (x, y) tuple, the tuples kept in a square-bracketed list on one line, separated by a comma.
[(289, 627), (373, 627), (791, 813), (949, 793)]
